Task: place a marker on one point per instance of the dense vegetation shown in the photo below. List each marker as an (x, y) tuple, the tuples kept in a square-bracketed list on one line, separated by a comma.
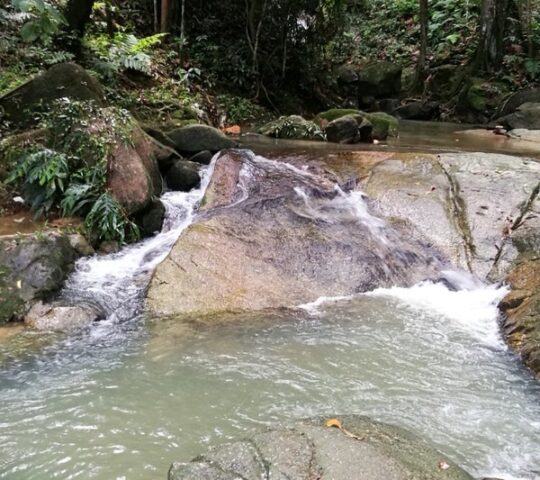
[(175, 62)]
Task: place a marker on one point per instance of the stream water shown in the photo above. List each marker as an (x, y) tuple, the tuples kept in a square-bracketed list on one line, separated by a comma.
[(127, 396)]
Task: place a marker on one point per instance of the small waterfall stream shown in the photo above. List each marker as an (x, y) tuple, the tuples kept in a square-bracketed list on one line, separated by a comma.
[(124, 398), (114, 284)]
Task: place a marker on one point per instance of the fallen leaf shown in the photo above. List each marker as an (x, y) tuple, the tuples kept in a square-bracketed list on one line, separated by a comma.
[(333, 422), (233, 130)]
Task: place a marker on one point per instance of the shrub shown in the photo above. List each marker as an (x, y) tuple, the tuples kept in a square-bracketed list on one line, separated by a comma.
[(69, 170)]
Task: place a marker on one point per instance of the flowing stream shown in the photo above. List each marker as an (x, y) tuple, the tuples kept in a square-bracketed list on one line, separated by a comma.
[(127, 396)]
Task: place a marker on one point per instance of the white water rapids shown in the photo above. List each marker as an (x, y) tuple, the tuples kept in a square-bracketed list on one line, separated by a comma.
[(126, 397)]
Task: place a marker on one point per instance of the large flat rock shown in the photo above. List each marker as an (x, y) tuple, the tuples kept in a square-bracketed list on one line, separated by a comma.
[(274, 235), (357, 448)]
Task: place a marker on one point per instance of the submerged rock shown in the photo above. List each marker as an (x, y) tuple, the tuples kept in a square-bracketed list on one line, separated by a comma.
[(274, 235), (357, 448), (59, 318)]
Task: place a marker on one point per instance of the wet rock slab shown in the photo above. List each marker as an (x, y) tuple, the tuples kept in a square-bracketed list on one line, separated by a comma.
[(359, 449), (274, 235)]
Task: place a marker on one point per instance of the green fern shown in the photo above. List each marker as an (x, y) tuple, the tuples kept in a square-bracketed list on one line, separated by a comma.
[(108, 218), (43, 174)]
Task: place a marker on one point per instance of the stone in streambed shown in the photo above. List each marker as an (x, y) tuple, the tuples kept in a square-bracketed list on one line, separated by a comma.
[(280, 241), (183, 176), (349, 129), (308, 449), (204, 157), (196, 138), (31, 268), (59, 318), (150, 220)]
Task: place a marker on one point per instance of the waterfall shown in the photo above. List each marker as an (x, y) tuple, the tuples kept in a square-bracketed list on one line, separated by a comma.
[(114, 284)]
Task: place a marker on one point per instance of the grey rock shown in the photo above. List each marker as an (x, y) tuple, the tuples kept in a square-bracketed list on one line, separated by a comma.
[(380, 80), (204, 157), (512, 103), (151, 219), (345, 130), (108, 247), (289, 243), (183, 176), (526, 116), (31, 269), (307, 450), (59, 318), (79, 243), (196, 138), (419, 110)]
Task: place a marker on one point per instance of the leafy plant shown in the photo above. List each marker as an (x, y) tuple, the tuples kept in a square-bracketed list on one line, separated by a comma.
[(123, 52), (43, 173), (532, 67), (109, 219), (42, 20), (70, 172)]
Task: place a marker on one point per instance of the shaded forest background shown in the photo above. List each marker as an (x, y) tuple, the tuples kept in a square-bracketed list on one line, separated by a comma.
[(239, 57)]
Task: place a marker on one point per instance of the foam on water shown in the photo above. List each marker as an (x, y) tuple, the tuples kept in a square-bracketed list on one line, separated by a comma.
[(474, 310)]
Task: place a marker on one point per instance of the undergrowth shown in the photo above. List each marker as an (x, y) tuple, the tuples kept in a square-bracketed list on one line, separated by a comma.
[(67, 171)]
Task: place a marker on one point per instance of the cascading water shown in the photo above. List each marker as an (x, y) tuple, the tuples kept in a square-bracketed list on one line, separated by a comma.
[(113, 284), (428, 358)]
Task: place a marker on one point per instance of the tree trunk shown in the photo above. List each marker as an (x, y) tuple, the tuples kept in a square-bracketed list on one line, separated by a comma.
[(165, 15), (490, 50), (424, 18), (77, 15), (420, 76)]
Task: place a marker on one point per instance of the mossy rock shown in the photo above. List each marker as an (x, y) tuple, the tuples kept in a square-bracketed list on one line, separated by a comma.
[(384, 125), (65, 80), (293, 127), (333, 114), (193, 139), (476, 96), (11, 305)]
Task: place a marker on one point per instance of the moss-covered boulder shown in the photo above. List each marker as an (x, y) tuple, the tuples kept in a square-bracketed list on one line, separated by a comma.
[(31, 268), (196, 138), (324, 118), (340, 448), (382, 125), (349, 129), (64, 80), (293, 127)]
